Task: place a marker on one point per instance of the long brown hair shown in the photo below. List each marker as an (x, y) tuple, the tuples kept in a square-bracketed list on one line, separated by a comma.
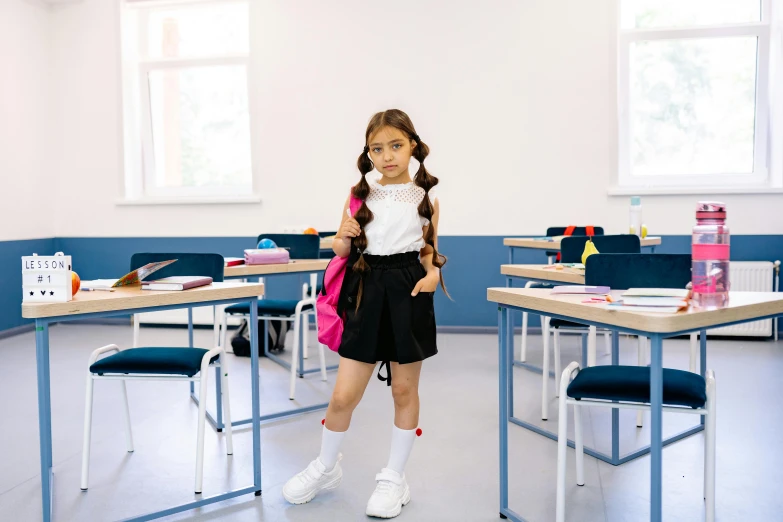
[(399, 120)]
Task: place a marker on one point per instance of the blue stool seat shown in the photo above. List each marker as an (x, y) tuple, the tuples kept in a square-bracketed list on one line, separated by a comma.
[(156, 361), (632, 384), (281, 307)]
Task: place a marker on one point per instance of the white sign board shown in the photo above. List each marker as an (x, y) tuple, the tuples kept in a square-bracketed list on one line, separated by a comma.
[(46, 279)]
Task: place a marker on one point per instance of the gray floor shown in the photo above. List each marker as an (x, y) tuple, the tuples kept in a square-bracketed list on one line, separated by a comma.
[(453, 468)]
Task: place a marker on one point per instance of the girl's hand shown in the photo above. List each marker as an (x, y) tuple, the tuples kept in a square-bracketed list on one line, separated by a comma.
[(428, 284), (349, 229)]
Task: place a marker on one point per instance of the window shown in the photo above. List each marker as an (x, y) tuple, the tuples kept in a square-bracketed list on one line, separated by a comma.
[(693, 85), (185, 99)]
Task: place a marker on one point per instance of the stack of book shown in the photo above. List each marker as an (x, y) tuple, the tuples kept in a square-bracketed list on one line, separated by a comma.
[(654, 300)]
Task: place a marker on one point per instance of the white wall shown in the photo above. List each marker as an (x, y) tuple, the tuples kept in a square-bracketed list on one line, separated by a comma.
[(27, 194), (517, 101)]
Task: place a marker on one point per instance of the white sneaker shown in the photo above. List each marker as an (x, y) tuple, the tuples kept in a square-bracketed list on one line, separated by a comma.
[(391, 493), (305, 485)]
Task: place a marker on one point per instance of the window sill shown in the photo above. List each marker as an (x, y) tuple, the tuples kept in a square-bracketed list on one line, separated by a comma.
[(217, 200), (704, 191)]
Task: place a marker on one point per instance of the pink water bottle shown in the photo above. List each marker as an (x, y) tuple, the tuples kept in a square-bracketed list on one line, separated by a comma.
[(710, 269)]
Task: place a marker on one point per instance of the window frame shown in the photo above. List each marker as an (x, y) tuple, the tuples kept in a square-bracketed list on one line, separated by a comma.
[(760, 177), (140, 168)]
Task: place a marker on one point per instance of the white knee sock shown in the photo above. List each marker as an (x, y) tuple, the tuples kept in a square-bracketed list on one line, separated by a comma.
[(330, 447), (401, 445)]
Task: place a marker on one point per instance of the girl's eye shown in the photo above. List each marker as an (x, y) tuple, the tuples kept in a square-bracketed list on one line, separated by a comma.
[(397, 145), (376, 150)]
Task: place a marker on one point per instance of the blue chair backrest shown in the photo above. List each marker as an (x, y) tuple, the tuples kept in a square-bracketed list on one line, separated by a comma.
[(207, 265), (327, 234), (299, 246), (578, 231), (572, 248), (624, 271)]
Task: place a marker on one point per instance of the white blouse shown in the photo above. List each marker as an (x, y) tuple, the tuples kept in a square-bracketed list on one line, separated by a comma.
[(396, 227)]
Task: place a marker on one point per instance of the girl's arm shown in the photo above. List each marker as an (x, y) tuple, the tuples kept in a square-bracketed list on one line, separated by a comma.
[(431, 280), (349, 228)]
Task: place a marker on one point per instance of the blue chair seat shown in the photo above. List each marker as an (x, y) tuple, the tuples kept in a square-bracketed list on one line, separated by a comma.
[(157, 361), (632, 384), (279, 307), (560, 323)]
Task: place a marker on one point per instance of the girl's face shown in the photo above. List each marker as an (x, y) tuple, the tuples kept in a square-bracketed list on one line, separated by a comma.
[(390, 151)]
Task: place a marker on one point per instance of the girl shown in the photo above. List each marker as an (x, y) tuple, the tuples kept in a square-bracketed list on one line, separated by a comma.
[(387, 302)]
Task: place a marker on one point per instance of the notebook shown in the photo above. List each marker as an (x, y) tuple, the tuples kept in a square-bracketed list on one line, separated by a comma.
[(580, 290), (234, 261), (177, 283), (645, 309), (656, 292), (654, 301), (131, 278)]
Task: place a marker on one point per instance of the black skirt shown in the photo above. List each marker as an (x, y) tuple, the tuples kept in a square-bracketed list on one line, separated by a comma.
[(390, 324)]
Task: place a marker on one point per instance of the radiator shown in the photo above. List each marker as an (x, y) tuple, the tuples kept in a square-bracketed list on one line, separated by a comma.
[(751, 276)]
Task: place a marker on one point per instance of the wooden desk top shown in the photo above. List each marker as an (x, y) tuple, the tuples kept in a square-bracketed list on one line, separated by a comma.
[(326, 243), (133, 297), (554, 245), (296, 266), (570, 276), (743, 306)]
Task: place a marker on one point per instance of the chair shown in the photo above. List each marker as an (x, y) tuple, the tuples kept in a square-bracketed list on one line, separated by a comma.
[(572, 249), (298, 311), (644, 271), (162, 363), (560, 231), (550, 232), (683, 392)]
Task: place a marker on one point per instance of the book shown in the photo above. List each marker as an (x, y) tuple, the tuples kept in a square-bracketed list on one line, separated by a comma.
[(133, 277), (654, 301), (98, 284), (656, 292), (580, 290), (234, 261), (645, 309), (177, 283)]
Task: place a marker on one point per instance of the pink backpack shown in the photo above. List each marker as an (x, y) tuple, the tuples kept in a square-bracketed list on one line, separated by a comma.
[(330, 324)]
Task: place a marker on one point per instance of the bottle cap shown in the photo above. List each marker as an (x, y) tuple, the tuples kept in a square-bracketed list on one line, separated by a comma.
[(636, 201), (710, 210)]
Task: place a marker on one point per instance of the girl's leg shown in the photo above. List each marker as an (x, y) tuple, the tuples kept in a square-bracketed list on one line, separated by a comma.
[(352, 379), (405, 390), (324, 473)]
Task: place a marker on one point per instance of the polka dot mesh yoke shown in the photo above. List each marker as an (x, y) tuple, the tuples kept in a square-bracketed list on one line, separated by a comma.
[(410, 193)]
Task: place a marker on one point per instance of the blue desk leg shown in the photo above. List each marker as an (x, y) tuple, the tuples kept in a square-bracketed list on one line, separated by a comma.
[(656, 423), (255, 391), (505, 373), (615, 411), (509, 284), (703, 360), (44, 414)]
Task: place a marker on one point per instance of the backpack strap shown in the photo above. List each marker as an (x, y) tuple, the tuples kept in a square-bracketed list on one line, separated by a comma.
[(569, 231), (354, 205), (590, 230)]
